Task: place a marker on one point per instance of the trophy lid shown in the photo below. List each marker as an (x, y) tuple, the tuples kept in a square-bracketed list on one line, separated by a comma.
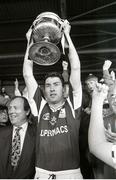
[(49, 15)]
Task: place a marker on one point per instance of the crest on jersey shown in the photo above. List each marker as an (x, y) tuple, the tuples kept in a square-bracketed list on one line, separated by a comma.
[(46, 117)]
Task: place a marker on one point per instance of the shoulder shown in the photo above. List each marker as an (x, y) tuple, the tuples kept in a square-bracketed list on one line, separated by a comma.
[(5, 131), (32, 124)]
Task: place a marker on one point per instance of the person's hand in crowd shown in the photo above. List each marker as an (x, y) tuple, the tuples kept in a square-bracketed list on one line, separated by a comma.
[(113, 75), (110, 136), (100, 92), (107, 65), (16, 83), (64, 65), (87, 110)]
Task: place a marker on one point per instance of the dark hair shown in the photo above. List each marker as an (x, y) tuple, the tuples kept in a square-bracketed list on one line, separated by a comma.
[(26, 104), (54, 74), (3, 107), (91, 76)]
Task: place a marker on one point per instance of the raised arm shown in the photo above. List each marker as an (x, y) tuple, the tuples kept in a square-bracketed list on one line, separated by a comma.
[(98, 144), (30, 81), (16, 90), (73, 59), (106, 74)]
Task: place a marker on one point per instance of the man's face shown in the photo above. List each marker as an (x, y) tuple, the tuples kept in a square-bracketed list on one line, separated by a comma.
[(3, 116), (3, 89), (91, 83), (16, 112), (54, 90)]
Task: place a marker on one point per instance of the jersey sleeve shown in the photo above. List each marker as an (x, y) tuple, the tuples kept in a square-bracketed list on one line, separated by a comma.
[(36, 102), (38, 97)]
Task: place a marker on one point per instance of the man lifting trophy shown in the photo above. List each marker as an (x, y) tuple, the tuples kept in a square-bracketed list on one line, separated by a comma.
[(57, 140), (46, 39)]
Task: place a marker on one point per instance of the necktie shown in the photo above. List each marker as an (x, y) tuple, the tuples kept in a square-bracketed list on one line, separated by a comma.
[(16, 148)]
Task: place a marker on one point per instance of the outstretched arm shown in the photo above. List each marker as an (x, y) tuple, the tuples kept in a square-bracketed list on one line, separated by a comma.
[(73, 59), (16, 90), (75, 79), (98, 144), (106, 74), (30, 81)]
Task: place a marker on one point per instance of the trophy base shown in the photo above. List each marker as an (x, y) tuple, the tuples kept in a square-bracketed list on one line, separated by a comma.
[(44, 53)]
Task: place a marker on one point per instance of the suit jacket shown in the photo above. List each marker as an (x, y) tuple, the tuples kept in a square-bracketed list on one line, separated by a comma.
[(26, 165)]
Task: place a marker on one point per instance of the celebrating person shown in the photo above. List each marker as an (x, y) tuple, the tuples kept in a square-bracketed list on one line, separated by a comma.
[(17, 142), (57, 147), (98, 144)]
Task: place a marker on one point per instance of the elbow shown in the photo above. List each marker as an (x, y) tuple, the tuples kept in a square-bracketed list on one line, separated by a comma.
[(94, 149), (27, 72), (26, 76), (91, 148), (27, 68), (76, 65), (92, 143)]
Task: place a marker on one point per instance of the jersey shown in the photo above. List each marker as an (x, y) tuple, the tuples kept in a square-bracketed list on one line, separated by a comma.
[(57, 146)]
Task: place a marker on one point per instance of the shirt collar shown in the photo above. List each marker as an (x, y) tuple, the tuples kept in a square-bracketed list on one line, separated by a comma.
[(58, 108), (23, 126)]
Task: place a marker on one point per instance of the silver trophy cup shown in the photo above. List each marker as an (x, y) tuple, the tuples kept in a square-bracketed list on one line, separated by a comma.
[(47, 31)]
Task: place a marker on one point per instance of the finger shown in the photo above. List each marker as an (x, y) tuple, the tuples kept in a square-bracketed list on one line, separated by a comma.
[(109, 128), (113, 75), (110, 133), (110, 138), (66, 21)]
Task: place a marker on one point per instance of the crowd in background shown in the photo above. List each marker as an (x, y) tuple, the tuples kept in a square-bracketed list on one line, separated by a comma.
[(32, 118), (91, 167)]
